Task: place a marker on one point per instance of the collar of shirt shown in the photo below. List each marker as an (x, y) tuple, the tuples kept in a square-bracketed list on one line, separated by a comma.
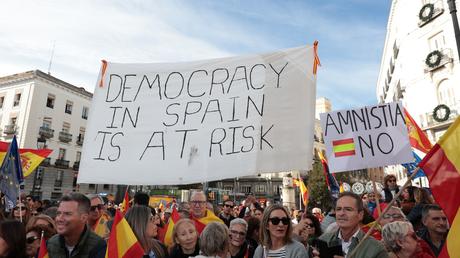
[(345, 244)]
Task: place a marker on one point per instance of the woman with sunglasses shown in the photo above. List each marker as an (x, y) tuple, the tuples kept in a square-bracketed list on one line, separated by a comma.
[(33, 238), (21, 212), (12, 239), (42, 220), (141, 220), (276, 235), (402, 242), (390, 188)]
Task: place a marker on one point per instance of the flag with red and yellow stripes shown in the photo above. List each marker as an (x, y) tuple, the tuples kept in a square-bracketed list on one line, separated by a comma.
[(30, 158), (43, 252), (442, 167), (122, 242), (303, 190), (165, 233), (125, 204), (417, 137)]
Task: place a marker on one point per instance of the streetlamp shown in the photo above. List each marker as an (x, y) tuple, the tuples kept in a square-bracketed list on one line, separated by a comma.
[(453, 13)]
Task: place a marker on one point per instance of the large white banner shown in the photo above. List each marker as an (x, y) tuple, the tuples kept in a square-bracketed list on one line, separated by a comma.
[(180, 123), (366, 137)]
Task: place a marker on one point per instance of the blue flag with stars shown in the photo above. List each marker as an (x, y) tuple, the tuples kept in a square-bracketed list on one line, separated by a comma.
[(413, 165), (11, 173)]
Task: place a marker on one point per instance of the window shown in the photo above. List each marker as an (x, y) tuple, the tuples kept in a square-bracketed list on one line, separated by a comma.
[(59, 177), (246, 188), (437, 42), (106, 186), (84, 113), (261, 188), (50, 101), (47, 122), (91, 186), (228, 187), (68, 107), (61, 153), (13, 120), (17, 99), (66, 127), (446, 93), (78, 156), (2, 99)]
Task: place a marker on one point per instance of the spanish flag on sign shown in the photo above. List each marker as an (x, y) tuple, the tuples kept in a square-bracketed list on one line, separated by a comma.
[(344, 147)]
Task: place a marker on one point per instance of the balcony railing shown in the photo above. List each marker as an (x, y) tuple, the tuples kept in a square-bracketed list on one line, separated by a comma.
[(76, 165), (10, 129), (46, 162), (429, 122), (61, 163), (46, 132), (65, 136), (446, 57)]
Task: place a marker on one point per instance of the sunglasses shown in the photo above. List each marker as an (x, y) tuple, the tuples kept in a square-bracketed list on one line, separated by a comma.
[(23, 208), (276, 220), (198, 202), (394, 216), (99, 207), (392, 180), (227, 205), (31, 239)]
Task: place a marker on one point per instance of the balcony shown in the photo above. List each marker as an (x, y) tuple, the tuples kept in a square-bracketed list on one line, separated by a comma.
[(61, 163), (46, 132), (10, 129), (76, 165), (80, 140), (65, 137), (445, 58), (430, 123)]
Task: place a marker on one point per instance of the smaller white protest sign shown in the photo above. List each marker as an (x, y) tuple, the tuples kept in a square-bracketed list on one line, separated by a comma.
[(366, 137)]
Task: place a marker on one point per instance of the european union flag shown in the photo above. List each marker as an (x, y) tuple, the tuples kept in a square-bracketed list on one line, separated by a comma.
[(11, 172), (411, 167)]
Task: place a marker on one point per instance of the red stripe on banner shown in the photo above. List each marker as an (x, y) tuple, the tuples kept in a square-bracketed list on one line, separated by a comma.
[(344, 141), (344, 153)]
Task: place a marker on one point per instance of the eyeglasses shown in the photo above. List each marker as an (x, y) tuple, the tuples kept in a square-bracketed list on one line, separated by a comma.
[(99, 207), (392, 180), (439, 218), (23, 208), (29, 199), (34, 213), (31, 239), (227, 205), (238, 233), (198, 202), (276, 220), (394, 216)]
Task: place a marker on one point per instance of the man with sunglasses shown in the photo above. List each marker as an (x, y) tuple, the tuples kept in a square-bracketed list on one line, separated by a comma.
[(74, 238), (98, 219), (226, 214), (435, 227), (349, 212)]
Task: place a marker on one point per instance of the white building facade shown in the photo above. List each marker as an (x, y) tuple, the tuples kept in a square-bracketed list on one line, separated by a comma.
[(43, 110), (420, 67)]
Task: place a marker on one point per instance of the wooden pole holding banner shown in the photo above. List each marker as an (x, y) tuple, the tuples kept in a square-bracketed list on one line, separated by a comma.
[(408, 182)]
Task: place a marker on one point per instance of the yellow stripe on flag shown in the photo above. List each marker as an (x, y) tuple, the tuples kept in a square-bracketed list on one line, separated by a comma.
[(450, 143), (344, 147), (452, 238), (126, 235)]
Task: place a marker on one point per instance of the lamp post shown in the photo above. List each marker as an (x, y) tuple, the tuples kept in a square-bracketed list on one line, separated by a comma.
[(453, 13)]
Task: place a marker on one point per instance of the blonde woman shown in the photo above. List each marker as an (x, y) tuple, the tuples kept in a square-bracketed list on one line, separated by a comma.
[(402, 242), (276, 235), (185, 239)]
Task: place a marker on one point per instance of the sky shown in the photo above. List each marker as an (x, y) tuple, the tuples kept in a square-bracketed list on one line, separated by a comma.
[(351, 37)]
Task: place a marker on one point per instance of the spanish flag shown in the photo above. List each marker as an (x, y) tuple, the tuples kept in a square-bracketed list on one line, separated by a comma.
[(43, 252), (165, 233), (30, 158), (303, 190), (442, 167), (344, 147), (417, 137), (200, 223), (125, 204), (331, 182), (122, 242)]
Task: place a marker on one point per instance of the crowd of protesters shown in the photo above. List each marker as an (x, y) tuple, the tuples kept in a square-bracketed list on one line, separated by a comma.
[(79, 226)]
